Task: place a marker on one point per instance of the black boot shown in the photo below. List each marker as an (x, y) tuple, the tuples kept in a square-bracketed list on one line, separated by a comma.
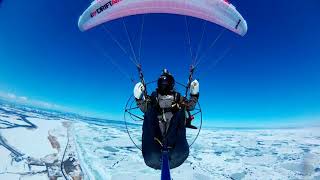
[(188, 123)]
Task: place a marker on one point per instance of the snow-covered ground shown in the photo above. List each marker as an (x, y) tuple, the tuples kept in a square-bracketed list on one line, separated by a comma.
[(106, 152), (25, 149), (217, 154)]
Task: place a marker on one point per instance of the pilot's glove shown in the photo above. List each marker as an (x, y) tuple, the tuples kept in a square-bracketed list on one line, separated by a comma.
[(194, 87), (138, 90)]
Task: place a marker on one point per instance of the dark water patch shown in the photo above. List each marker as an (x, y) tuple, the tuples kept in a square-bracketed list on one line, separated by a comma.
[(255, 154), (284, 142), (129, 148), (114, 137), (238, 176), (289, 157), (306, 150), (107, 139), (232, 160), (252, 152), (276, 144), (317, 170), (253, 149), (315, 145), (260, 143), (110, 149), (239, 154)]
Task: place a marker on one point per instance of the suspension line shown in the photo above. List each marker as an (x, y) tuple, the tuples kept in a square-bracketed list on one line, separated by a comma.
[(111, 60), (204, 25), (118, 44), (189, 39), (210, 47), (217, 61), (140, 40), (130, 42)]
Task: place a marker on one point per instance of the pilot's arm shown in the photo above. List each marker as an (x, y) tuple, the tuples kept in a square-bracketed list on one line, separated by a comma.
[(194, 96), (142, 102)]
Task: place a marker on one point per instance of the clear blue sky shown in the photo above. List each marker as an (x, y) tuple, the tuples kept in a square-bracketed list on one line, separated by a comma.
[(271, 75)]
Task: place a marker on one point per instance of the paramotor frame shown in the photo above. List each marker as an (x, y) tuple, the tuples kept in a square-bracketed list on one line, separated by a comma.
[(196, 114)]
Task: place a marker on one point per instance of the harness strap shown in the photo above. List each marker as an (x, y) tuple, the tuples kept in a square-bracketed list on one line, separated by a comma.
[(160, 143)]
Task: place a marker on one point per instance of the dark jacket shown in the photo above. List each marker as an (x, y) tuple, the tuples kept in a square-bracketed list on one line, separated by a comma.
[(172, 134)]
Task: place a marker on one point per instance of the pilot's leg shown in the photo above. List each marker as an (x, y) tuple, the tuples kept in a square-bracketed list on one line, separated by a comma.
[(177, 138), (151, 150)]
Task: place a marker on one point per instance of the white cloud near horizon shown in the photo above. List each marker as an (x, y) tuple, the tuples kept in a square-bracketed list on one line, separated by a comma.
[(11, 97), (302, 121), (26, 101)]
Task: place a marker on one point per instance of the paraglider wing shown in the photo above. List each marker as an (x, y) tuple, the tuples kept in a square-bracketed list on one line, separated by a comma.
[(220, 12)]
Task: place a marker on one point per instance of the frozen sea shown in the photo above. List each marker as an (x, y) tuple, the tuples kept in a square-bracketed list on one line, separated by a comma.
[(106, 152), (217, 154)]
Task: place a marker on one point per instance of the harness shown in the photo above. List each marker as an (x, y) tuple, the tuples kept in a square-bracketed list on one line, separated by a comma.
[(167, 105)]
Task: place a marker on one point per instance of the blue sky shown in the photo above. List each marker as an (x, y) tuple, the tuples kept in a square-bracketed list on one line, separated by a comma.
[(270, 76)]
